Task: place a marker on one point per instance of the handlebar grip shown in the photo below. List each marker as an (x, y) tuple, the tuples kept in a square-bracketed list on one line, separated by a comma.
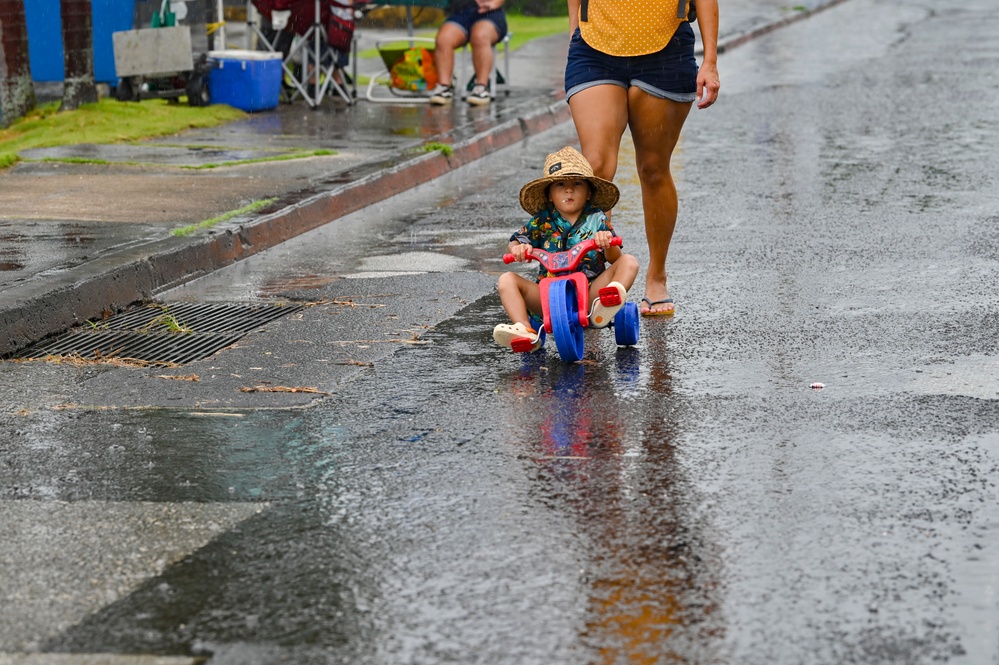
[(616, 241), (528, 256)]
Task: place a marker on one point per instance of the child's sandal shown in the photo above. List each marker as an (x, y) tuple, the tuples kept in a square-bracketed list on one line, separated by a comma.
[(609, 302), (517, 336)]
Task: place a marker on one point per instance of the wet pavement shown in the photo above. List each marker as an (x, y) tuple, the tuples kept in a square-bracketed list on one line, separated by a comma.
[(693, 499)]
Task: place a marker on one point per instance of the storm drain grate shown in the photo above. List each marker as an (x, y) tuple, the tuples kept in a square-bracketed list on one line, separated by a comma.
[(169, 334)]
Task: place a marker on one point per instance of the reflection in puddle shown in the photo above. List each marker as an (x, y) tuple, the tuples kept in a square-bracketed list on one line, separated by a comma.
[(603, 435), (10, 257)]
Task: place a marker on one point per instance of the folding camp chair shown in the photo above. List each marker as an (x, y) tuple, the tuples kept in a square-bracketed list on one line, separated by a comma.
[(315, 37), (392, 52)]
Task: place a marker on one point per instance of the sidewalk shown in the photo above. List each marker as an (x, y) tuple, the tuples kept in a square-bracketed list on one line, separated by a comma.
[(79, 241)]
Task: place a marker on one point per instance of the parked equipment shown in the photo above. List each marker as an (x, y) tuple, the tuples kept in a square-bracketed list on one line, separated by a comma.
[(160, 61)]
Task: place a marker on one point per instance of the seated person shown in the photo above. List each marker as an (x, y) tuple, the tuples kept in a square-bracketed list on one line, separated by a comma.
[(480, 23)]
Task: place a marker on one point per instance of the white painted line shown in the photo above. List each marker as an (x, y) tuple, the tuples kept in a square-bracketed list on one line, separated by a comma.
[(94, 659)]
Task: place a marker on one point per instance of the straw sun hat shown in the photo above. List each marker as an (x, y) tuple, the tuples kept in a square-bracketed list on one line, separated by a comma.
[(563, 165)]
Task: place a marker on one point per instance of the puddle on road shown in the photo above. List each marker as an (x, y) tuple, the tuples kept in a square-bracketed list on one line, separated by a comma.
[(970, 376), (406, 263), (56, 245)]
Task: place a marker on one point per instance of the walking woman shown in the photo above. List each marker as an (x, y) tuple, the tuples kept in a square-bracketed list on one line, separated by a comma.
[(631, 65)]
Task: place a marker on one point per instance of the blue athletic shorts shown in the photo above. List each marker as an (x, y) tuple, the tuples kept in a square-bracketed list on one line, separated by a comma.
[(668, 74), (467, 17)]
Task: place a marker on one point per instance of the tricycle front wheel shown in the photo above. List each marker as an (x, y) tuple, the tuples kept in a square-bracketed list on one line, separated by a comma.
[(564, 314)]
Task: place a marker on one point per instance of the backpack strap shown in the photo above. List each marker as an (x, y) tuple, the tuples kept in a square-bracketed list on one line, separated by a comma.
[(685, 11)]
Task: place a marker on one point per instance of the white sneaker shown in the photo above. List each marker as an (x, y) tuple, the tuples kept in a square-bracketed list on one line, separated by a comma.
[(441, 94), (479, 96), (517, 336), (609, 302)]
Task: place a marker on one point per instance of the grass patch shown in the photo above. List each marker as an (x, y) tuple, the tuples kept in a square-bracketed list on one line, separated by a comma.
[(526, 28), (107, 121), (208, 223)]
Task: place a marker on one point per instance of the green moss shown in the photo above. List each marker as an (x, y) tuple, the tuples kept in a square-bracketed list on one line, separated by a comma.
[(75, 160), (208, 223), (434, 145), (257, 160), (235, 162)]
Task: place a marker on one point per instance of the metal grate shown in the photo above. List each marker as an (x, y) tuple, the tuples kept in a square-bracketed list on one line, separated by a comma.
[(169, 334)]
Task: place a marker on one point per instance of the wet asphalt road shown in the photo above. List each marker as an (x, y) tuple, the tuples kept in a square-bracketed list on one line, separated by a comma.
[(690, 500)]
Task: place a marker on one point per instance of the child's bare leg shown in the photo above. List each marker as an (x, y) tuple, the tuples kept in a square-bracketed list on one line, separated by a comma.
[(519, 296), (621, 274), (624, 271)]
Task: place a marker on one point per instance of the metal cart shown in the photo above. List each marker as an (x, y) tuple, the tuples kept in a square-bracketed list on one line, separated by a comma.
[(159, 61)]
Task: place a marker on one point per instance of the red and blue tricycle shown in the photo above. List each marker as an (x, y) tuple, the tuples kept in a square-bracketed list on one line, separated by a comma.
[(565, 301)]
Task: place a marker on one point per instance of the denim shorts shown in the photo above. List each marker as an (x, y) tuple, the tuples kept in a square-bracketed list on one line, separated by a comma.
[(668, 74), (467, 17)]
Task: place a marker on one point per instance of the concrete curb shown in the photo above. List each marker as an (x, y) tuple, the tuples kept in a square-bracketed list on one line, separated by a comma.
[(137, 274)]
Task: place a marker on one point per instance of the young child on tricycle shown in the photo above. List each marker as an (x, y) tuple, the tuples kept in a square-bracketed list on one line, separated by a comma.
[(567, 205)]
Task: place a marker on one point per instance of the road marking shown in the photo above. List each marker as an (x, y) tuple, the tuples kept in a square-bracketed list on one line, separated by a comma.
[(62, 561), (94, 659)]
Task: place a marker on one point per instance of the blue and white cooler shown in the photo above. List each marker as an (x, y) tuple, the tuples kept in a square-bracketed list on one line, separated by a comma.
[(247, 80)]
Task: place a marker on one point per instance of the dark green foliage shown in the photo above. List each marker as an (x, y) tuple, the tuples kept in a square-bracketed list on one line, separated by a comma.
[(537, 7)]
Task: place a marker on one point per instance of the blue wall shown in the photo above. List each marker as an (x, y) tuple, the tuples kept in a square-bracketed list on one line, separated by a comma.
[(45, 37)]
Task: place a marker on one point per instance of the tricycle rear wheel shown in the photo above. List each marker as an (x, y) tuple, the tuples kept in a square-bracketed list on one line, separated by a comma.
[(626, 324)]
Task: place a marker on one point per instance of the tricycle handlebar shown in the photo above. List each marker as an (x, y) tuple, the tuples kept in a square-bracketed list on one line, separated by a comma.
[(556, 262)]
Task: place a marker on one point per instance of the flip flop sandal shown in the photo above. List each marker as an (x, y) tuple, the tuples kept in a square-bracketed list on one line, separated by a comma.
[(666, 314), (610, 301)]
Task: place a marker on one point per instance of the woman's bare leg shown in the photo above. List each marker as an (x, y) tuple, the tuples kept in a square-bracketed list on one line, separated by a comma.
[(600, 115), (655, 129)]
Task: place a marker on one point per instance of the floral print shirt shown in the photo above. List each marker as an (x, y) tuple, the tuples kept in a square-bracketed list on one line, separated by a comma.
[(549, 231)]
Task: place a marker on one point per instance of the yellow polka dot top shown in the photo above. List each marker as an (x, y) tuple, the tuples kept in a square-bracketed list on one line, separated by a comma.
[(630, 27)]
